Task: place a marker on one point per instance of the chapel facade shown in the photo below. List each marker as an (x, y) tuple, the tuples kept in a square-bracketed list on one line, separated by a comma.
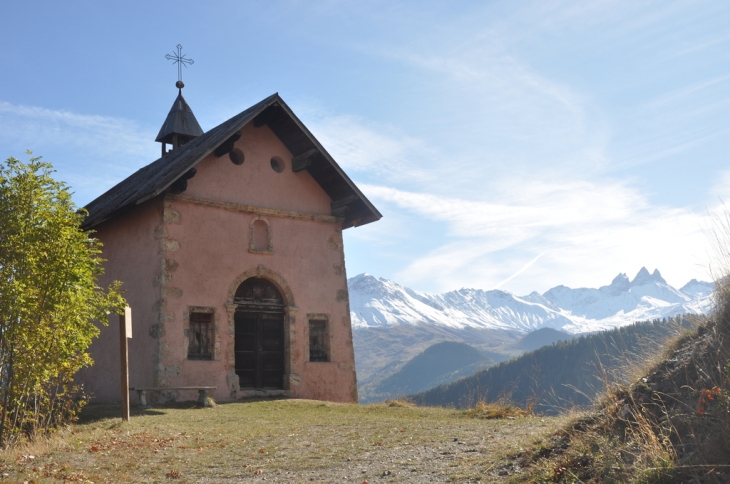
[(230, 251)]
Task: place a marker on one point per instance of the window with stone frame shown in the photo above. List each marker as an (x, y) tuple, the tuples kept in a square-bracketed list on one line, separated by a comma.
[(200, 336), (318, 340), (260, 236)]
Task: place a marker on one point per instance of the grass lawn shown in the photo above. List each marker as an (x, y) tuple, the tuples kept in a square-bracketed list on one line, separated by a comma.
[(275, 441)]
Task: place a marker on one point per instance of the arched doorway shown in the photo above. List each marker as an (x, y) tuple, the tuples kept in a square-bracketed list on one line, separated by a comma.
[(259, 334)]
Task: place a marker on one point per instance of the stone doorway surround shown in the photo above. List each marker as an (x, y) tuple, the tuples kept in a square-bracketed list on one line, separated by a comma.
[(291, 372)]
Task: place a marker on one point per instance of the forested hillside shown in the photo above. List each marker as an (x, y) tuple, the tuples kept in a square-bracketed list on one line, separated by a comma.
[(441, 363), (541, 337), (562, 375)]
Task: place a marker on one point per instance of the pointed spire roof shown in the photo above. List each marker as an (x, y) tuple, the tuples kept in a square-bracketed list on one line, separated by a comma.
[(180, 121)]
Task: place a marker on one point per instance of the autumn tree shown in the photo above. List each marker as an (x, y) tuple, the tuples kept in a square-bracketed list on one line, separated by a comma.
[(49, 299)]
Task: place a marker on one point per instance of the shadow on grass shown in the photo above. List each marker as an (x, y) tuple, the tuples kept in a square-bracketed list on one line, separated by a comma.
[(95, 412)]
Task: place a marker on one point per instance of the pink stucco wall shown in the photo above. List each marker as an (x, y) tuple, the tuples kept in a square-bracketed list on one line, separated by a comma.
[(254, 182), (191, 251), (131, 251)]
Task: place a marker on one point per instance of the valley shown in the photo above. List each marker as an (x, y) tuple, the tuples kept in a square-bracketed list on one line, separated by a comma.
[(393, 324)]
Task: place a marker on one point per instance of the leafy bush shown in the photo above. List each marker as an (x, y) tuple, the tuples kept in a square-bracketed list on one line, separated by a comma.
[(48, 299)]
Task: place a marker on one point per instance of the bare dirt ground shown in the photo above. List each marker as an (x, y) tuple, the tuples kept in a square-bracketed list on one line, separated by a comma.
[(288, 441)]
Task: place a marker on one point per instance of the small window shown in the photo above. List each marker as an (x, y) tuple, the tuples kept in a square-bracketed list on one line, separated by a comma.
[(200, 336), (277, 164), (318, 341), (259, 241), (260, 236), (236, 156)]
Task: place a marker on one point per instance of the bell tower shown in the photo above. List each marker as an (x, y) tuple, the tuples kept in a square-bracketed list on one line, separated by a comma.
[(180, 126)]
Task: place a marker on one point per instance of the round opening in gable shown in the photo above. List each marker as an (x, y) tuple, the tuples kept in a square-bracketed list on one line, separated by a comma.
[(277, 164), (236, 156)]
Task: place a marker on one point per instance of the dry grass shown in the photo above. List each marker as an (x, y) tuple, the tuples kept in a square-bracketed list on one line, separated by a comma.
[(276, 441), (400, 402), (670, 425), (498, 411)]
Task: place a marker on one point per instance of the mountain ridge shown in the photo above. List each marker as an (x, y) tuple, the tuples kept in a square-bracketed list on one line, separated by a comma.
[(378, 302)]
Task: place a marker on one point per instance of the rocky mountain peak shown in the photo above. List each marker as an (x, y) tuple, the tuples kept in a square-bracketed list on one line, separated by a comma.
[(643, 277), (621, 282), (657, 276), (697, 288), (369, 284)]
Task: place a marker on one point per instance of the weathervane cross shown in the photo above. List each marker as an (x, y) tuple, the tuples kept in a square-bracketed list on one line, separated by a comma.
[(180, 60)]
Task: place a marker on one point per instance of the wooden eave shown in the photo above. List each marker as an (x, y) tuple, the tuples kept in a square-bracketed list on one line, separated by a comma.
[(157, 177)]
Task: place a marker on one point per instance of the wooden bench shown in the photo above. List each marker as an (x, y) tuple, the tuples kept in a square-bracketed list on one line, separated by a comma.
[(202, 393)]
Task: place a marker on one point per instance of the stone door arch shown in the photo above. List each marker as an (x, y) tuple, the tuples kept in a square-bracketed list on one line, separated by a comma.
[(261, 317)]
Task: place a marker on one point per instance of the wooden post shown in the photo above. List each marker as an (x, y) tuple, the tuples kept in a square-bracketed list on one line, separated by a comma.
[(125, 331)]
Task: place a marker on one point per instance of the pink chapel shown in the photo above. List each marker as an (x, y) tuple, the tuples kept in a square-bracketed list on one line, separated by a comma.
[(230, 250)]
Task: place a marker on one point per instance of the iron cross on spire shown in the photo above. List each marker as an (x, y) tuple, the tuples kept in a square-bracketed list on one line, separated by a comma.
[(179, 59)]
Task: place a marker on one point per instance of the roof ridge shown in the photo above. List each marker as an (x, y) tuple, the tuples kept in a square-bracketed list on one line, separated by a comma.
[(156, 177)]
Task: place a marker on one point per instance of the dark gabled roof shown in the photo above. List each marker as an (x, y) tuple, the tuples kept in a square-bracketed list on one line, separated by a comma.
[(180, 120), (157, 177)]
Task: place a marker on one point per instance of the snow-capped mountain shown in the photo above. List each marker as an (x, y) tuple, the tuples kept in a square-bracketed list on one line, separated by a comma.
[(697, 288), (377, 302)]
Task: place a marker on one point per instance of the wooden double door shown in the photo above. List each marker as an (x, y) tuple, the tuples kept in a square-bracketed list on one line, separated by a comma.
[(259, 335), (259, 349)]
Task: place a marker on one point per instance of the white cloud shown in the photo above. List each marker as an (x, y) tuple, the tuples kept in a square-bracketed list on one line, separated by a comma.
[(99, 134), (90, 152), (360, 148), (534, 203), (587, 231), (487, 113), (720, 190), (704, 45)]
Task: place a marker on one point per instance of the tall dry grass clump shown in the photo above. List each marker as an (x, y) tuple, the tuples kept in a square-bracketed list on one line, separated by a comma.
[(672, 424)]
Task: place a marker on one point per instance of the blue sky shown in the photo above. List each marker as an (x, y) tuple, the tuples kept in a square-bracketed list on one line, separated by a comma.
[(517, 145)]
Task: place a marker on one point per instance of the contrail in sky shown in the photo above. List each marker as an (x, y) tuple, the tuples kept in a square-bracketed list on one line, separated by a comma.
[(524, 268)]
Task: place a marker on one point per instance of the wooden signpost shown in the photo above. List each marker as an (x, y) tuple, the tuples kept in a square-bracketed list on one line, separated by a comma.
[(125, 331)]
